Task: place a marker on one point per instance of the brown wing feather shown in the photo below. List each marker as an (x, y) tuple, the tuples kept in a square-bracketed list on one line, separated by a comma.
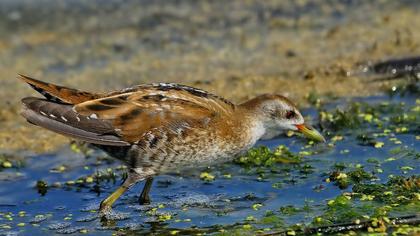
[(136, 113), (183, 92), (62, 119), (59, 93)]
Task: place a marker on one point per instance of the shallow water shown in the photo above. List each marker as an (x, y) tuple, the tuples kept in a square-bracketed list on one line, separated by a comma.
[(185, 203)]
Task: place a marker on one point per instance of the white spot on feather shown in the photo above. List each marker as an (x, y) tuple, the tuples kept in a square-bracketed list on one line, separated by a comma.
[(179, 130), (94, 116), (64, 118), (206, 121)]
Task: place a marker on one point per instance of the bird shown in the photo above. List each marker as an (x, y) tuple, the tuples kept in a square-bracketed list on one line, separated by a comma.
[(161, 127)]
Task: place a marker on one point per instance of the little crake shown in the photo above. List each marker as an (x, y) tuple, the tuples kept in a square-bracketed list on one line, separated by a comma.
[(162, 127)]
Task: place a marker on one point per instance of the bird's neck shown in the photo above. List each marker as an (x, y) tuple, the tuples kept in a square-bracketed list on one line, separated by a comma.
[(250, 121), (252, 105), (261, 126)]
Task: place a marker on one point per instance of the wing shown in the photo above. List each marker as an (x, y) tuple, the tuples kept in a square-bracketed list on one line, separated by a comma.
[(165, 107), (183, 92), (62, 119)]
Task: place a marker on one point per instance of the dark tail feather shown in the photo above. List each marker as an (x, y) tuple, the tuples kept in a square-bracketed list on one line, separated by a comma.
[(61, 118), (58, 93)]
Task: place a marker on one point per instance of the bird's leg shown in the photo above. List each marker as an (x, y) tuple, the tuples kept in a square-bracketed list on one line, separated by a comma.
[(131, 179), (144, 198)]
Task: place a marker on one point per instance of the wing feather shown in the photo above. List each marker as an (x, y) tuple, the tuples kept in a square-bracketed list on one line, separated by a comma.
[(125, 116), (58, 93), (62, 119), (137, 112)]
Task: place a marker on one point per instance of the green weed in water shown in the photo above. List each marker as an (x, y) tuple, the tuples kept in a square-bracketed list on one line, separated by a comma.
[(263, 156)]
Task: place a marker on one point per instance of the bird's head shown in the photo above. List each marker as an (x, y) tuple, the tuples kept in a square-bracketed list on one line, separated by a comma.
[(277, 113)]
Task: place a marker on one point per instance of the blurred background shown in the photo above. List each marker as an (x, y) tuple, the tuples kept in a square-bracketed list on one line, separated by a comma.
[(236, 49)]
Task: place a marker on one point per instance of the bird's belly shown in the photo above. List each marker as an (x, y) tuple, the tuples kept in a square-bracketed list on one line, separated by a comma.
[(208, 156), (181, 155)]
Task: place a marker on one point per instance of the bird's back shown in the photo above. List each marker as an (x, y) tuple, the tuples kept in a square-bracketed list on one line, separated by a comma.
[(158, 122)]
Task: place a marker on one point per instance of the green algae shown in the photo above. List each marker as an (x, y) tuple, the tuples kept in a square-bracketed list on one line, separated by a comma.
[(264, 157), (388, 117), (375, 202), (345, 178), (10, 161), (341, 119), (398, 190)]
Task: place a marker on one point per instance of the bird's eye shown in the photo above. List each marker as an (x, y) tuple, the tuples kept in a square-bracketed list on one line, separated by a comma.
[(290, 114)]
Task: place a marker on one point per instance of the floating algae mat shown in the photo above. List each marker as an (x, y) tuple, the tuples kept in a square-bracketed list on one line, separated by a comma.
[(367, 172)]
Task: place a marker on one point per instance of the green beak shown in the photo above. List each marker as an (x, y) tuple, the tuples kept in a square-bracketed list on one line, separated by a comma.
[(310, 132)]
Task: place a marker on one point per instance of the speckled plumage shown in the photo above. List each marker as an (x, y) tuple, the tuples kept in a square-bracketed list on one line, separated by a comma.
[(160, 127)]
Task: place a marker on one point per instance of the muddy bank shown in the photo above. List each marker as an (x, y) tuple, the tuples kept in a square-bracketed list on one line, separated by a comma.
[(235, 49)]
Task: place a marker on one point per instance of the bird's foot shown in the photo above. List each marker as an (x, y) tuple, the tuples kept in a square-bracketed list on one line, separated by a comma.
[(105, 208)]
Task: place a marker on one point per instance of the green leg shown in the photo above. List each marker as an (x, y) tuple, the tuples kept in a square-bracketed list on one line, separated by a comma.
[(144, 198), (107, 203)]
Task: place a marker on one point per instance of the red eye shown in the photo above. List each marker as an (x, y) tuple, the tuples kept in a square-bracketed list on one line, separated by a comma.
[(290, 114)]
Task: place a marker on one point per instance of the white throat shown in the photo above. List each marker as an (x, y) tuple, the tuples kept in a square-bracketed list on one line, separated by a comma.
[(258, 131)]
